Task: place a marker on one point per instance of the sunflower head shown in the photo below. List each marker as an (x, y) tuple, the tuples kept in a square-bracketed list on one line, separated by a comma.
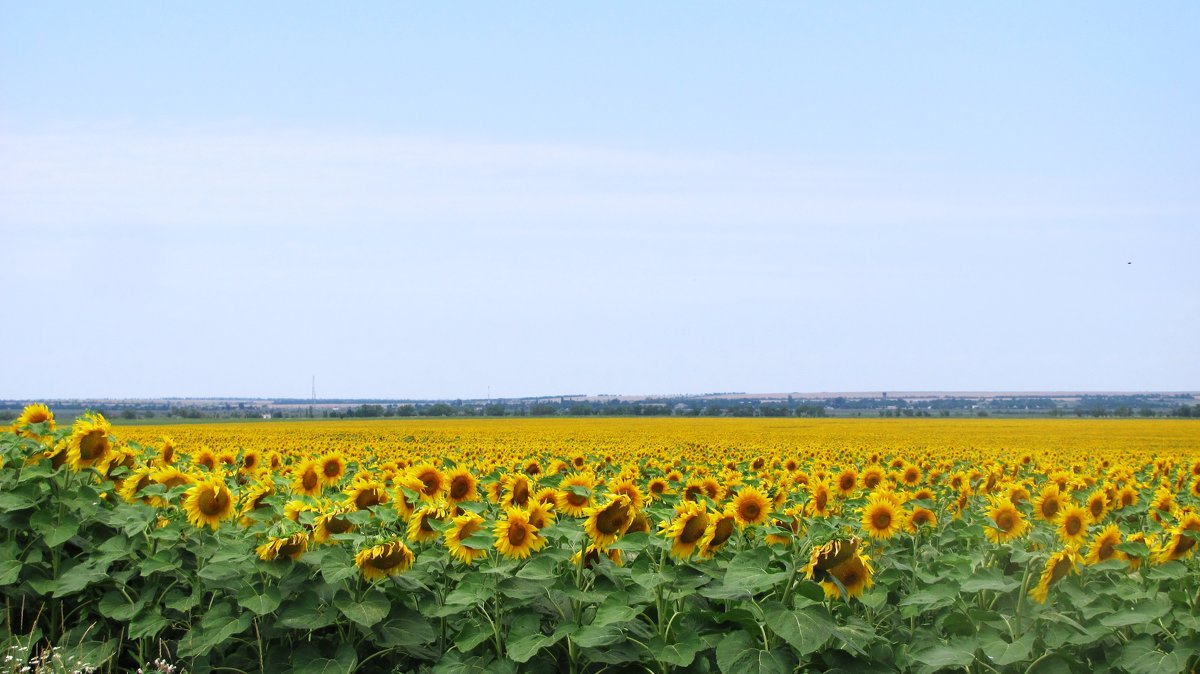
[(461, 486), (575, 494), (382, 561), (1072, 524), (461, 528), (605, 524), (515, 537), (751, 506), (30, 417), (1007, 523), (687, 528), (720, 529), (289, 547), (881, 516), (208, 502), (90, 443), (1103, 546)]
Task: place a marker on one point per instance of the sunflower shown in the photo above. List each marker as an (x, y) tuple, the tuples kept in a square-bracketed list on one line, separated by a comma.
[(687, 528), (1103, 546), (420, 527), (251, 461), (381, 561), (1072, 524), (89, 444), (847, 482), (819, 498), (517, 491), (135, 483), (871, 476), (288, 546), (1180, 544), (920, 518), (307, 479), (720, 529), (516, 538), (461, 487), (606, 523), (433, 483), (331, 468), (462, 528), (252, 500), (170, 477), (881, 516), (331, 523), (206, 459), (825, 557), (208, 502), (402, 503), (657, 488), (639, 524), (693, 490), (571, 503), (1007, 522), (592, 556), (712, 488), (853, 576), (365, 493), (292, 509), (1048, 503), (751, 506), (911, 476), (1135, 561), (1097, 505), (166, 453), (36, 413), (1060, 564), (628, 488)]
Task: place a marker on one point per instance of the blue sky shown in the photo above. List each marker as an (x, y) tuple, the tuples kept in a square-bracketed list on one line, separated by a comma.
[(422, 201)]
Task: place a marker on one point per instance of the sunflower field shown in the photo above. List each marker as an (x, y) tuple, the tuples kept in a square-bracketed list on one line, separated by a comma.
[(600, 545)]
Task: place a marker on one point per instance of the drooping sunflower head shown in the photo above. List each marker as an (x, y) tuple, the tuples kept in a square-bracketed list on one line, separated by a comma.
[(751, 507), (606, 523), (331, 523), (1180, 543), (850, 578), (657, 488), (366, 493), (461, 528), (290, 547), (593, 554), (629, 489), (208, 502), (541, 514), (252, 499), (515, 537), (382, 561)]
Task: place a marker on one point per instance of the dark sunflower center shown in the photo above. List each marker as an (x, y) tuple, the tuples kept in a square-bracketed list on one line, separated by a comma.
[(657, 487), (576, 500), (750, 510), (1106, 550), (1097, 508), (517, 533), (846, 482), (521, 493), (722, 531), (612, 519), (920, 517), (332, 469), (871, 480), (1049, 508), (459, 487), (1073, 525), (367, 498), (389, 560), (693, 530), (822, 500), (310, 480), (691, 493), (881, 520), (338, 525), (213, 502), (1060, 570), (1005, 521), (93, 445), (467, 529)]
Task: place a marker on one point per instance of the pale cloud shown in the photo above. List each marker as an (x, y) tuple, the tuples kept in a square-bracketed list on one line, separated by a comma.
[(238, 176)]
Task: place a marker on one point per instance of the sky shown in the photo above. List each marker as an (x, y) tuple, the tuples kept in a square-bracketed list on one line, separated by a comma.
[(514, 199)]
